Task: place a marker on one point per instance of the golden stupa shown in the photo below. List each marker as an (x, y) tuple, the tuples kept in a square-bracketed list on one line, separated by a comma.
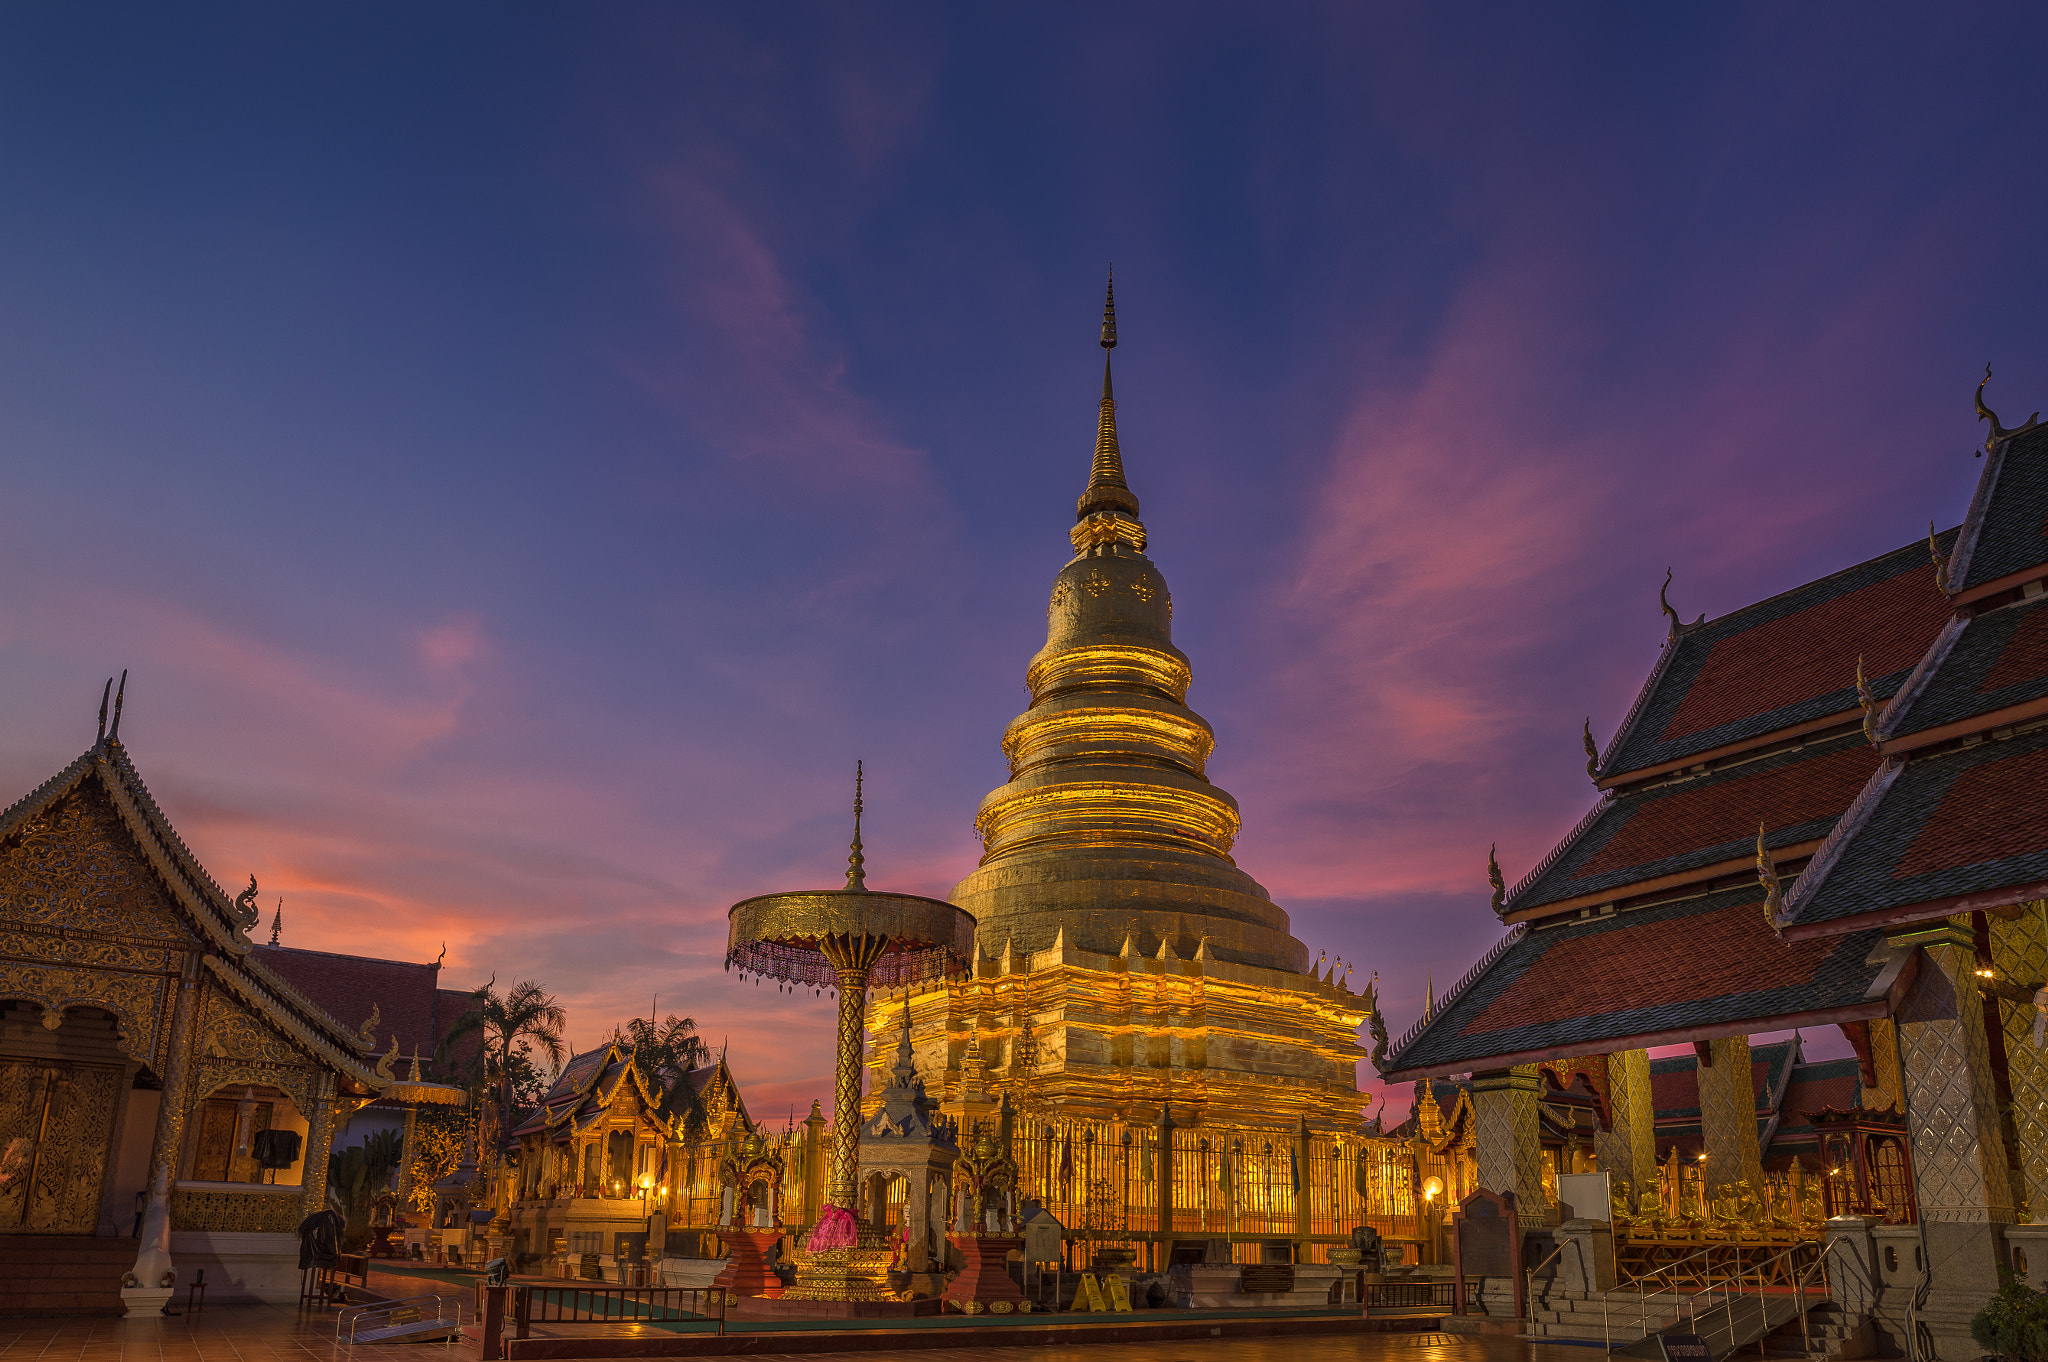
[(1126, 965)]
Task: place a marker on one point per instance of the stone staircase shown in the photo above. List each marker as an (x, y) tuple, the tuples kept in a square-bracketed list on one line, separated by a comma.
[(1629, 1324), (62, 1274)]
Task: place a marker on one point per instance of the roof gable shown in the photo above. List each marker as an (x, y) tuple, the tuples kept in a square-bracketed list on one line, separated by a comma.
[(1591, 986), (2006, 532), (1686, 825), (1783, 662)]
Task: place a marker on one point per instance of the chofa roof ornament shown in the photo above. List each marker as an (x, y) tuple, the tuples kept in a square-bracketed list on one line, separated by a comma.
[(1998, 432)]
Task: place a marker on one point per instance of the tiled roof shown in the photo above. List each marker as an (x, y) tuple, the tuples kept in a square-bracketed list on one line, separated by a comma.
[(2007, 531), (1972, 820), (1830, 1083), (1607, 981), (405, 995), (1684, 826), (1999, 659), (1785, 661)]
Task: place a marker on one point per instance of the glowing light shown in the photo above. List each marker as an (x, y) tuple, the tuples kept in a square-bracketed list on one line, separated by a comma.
[(1432, 1188)]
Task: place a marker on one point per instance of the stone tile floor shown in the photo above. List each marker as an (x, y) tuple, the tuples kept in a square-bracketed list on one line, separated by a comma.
[(280, 1333)]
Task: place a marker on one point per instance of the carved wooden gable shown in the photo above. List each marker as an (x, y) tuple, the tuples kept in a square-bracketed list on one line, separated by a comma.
[(85, 921)]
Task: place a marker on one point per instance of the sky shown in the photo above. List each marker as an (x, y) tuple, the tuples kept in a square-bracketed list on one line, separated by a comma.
[(524, 454)]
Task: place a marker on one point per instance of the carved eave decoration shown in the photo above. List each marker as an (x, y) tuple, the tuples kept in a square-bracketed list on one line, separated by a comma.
[(1456, 1131), (320, 1048)]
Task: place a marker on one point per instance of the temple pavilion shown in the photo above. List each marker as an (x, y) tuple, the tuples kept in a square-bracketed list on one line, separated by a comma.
[(1825, 809)]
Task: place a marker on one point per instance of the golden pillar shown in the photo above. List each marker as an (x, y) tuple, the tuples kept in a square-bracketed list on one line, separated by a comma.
[(319, 1144), (167, 1148), (1507, 1142), (1728, 1116), (1628, 1152), (814, 1164), (2019, 952), (852, 956)]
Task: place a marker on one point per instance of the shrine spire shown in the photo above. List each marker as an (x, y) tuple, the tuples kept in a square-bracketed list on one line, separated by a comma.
[(1107, 511), (856, 863)]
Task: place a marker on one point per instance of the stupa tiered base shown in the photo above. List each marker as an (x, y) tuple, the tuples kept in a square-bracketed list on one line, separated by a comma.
[(984, 1283), (841, 1283), (746, 1265)]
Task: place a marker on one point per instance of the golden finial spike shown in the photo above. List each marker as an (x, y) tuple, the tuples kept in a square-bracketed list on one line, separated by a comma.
[(856, 873), (1108, 500)]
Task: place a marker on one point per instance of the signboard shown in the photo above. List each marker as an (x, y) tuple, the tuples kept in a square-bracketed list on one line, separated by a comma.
[(1042, 1238), (1119, 1294), (1584, 1196), (1685, 1348), (1089, 1297), (1266, 1279)]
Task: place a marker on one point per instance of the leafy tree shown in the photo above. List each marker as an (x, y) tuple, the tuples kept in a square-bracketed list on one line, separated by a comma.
[(357, 1174), (2015, 1323), (437, 1139)]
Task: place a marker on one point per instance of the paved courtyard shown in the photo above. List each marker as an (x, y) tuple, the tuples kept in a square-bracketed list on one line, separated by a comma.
[(272, 1333)]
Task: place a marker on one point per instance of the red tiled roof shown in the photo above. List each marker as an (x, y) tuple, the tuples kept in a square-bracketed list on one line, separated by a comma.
[(1675, 1090), (1693, 817), (1990, 812), (1806, 1096), (1784, 661), (1728, 950), (407, 997), (2025, 657)]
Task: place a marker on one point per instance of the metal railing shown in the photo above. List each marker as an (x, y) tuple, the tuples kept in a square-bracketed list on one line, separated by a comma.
[(1409, 1297), (595, 1304), (410, 1315), (1728, 1292)]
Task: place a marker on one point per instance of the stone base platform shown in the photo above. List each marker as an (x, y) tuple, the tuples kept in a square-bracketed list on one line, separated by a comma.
[(766, 1308)]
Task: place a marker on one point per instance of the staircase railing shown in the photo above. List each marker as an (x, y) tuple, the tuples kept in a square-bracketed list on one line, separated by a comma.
[(1729, 1291)]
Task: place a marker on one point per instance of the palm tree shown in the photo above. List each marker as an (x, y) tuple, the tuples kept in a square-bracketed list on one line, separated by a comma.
[(527, 1015), (666, 1053)]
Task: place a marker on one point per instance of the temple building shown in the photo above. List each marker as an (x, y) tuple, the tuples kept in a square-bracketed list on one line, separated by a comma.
[(1135, 989), (1824, 809), (167, 1101)]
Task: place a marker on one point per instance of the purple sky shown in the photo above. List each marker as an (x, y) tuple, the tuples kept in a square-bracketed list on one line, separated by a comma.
[(525, 455)]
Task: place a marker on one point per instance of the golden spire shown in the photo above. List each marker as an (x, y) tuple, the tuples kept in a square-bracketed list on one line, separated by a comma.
[(1107, 512), (856, 874)]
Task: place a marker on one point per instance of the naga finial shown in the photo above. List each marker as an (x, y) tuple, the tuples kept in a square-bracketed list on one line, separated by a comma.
[(1774, 889), (1592, 754), (1494, 878), (1985, 413), (385, 1065), (368, 1030), (246, 912), (1868, 702), (1665, 601), (1940, 563), (120, 696), (856, 864), (106, 693)]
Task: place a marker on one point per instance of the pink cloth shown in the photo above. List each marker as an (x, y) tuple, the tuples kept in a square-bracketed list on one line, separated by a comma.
[(835, 1230)]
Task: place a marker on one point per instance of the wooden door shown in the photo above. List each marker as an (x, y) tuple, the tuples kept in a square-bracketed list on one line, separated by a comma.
[(56, 1126)]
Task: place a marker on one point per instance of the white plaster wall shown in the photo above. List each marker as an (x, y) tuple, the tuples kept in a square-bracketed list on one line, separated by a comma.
[(240, 1268)]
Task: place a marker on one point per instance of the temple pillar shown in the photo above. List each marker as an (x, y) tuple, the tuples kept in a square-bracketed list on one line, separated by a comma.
[(405, 1152), (2019, 952), (319, 1144), (1728, 1115), (167, 1147), (814, 1164), (1628, 1152), (1952, 1121), (1507, 1142)]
